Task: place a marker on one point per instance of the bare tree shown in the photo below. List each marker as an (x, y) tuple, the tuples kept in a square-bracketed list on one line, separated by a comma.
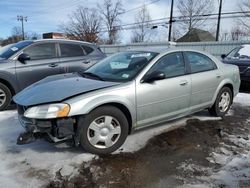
[(245, 8), (1, 41), (17, 34), (33, 36), (191, 11), (84, 25), (111, 11), (142, 32), (237, 33), (224, 35)]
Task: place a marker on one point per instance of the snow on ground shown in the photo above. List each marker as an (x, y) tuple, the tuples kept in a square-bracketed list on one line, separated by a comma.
[(35, 164), (235, 170), (139, 139), (235, 167), (243, 98), (234, 159)]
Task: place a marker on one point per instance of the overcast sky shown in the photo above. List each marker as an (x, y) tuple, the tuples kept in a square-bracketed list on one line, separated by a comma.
[(46, 15)]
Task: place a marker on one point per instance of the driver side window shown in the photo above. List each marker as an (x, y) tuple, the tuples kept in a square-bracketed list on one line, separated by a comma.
[(171, 64), (41, 51)]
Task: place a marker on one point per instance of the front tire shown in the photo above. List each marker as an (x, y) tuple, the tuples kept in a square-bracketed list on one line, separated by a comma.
[(5, 97), (223, 102), (103, 130)]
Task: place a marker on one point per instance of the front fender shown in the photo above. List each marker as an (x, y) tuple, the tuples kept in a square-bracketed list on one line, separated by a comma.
[(10, 79), (84, 104)]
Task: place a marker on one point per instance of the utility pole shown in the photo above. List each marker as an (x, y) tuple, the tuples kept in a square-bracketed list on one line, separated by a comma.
[(218, 23), (170, 20), (22, 19)]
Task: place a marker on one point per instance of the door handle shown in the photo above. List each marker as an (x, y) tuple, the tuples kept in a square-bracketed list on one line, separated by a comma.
[(218, 76), (86, 61), (53, 65), (184, 82)]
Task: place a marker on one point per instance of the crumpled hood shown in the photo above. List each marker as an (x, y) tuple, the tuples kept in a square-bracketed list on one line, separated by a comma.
[(57, 88)]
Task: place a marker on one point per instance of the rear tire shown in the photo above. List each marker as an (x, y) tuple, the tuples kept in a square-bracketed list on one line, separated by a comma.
[(5, 97), (103, 130), (222, 103)]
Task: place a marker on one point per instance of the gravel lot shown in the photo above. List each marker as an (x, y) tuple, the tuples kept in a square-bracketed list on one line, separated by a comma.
[(197, 151)]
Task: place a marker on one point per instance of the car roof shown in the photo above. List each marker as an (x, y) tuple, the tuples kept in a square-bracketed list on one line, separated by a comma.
[(150, 49), (166, 49), (63, 40), (245, 45)]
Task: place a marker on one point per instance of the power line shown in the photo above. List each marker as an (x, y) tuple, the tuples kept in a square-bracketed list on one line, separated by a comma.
[(216, 14), (64, 6), (38, 13), (153, 22), (139, 7), (78, 3), (180, 18)]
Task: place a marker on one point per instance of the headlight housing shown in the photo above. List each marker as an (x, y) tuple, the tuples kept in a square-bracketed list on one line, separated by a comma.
[(48, 111)]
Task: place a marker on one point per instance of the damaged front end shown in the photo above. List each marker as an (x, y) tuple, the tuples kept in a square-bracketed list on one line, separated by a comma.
[(56, 130)]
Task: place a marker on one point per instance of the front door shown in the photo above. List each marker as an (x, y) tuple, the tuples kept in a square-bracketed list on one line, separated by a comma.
[(164, 99), (43, 62)]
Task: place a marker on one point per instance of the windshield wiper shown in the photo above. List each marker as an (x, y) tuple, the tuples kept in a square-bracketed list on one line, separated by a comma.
[(90, 74)]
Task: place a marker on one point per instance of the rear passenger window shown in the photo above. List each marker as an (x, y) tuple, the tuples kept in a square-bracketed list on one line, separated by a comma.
[(41, 51), (88, 49), (199, 62), (171, 64), (71, 50)]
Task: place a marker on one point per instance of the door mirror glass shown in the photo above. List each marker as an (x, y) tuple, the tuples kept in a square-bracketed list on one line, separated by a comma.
[(23, 58), (156, 75)]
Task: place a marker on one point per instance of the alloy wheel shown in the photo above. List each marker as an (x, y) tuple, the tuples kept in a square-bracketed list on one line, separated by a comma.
[(2, 97)]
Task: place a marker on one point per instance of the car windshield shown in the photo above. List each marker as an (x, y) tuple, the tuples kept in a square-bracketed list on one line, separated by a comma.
[(120, 67), (240, 52), (11, 49)]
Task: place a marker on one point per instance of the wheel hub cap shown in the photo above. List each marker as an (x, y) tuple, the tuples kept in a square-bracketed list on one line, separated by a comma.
[(224, 102), (104, 132)]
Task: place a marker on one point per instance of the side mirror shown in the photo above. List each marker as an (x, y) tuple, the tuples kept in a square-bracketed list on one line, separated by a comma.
[(23, 58), (223, 56), (156, 75)]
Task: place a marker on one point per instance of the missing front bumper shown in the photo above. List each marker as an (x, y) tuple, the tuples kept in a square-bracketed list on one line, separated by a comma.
[(56, 130)]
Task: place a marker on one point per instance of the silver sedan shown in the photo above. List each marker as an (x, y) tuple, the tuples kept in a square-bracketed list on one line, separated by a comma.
[(127, 91)]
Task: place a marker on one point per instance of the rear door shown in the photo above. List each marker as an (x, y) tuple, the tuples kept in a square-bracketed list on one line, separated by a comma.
[(43, 62), (205, 77), (72, 58)]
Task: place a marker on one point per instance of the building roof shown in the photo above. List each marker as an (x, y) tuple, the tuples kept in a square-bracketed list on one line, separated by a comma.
[(196, 35)]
